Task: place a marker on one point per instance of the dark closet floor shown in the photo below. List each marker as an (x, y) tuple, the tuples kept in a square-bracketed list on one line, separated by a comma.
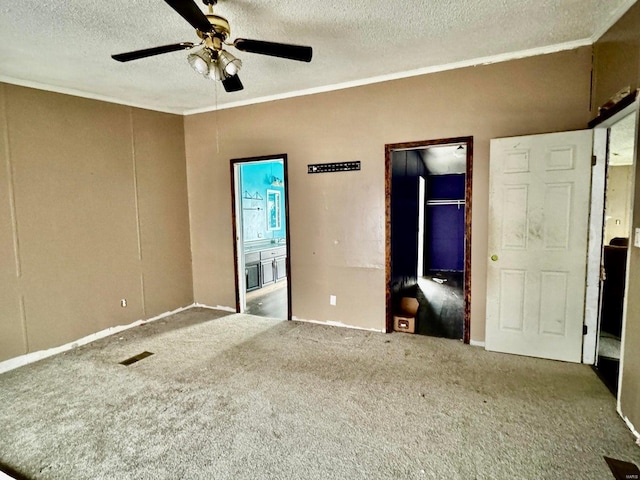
[(608, 365), (441, 299), (608, 370)]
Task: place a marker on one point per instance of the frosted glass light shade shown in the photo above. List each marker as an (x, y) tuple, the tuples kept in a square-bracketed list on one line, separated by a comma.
[(215, 72), (200, 61), (228, 63)]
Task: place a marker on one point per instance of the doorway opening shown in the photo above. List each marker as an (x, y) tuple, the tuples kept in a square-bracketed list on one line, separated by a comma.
[(261, 236), (428, 241), (616, 232)]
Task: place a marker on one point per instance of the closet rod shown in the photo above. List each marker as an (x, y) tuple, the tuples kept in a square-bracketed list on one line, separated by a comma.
[(459, 203)]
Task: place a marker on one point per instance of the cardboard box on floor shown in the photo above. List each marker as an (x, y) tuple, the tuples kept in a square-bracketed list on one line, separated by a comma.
[(405, 319)]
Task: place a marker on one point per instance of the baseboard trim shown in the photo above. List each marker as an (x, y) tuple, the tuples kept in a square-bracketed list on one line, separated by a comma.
[(32, 357), (631, 427), (476, 343), (337, 324), (219, 307)]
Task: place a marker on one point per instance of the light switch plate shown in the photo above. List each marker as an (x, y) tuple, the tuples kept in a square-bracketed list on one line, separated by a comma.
[(636, 238)]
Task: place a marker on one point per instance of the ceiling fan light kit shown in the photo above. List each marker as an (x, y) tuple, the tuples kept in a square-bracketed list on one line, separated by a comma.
[(229, 64), (200, 61), (211, 60), (216, 73)]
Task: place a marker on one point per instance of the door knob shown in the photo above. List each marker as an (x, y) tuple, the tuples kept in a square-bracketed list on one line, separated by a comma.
[(494, 258)]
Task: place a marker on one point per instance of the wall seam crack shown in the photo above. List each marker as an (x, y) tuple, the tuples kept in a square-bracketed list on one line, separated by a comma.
[(137, 209), (14, 217)]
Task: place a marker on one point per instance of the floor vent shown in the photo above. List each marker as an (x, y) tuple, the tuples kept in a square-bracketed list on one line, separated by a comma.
[(135, 358)]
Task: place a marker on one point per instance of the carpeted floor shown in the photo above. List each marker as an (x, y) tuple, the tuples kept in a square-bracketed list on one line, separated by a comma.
[(241, 397)]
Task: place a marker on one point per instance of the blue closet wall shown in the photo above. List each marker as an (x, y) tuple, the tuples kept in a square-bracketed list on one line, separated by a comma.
[(407, 168), (444, 249)]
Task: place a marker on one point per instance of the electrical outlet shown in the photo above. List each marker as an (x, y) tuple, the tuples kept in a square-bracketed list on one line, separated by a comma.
[(636, 240), (332, 300), (123, 302)]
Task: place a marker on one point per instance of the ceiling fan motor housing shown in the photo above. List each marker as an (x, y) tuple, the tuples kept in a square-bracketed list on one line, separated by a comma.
[(220, 26)]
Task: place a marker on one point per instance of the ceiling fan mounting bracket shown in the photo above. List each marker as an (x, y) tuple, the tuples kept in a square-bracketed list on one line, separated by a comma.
[(220, 26)]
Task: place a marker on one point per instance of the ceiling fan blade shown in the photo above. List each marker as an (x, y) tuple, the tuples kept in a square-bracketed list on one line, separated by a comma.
[(232, 84), (149, 52), (283, 50), (191, 13)]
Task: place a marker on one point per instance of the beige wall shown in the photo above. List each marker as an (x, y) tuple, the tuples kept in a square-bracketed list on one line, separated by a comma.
[(338, 220), (617, 65), (93, 209), (616, 62), (618, 209)]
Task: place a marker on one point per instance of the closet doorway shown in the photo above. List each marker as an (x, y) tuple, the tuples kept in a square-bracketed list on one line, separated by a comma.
[(261, 236), (429, 233)]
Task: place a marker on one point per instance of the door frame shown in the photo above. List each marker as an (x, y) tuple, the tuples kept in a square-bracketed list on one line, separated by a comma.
[(238, 250), (600, 126), (389, 149)]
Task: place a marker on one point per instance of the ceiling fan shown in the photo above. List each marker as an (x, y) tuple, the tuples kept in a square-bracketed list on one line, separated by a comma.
[(209, 58)]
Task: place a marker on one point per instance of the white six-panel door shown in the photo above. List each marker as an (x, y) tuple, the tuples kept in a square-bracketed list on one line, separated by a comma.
[(538, 226)]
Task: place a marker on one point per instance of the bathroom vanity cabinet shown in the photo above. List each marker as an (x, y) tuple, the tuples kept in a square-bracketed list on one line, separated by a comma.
[(265, 266)]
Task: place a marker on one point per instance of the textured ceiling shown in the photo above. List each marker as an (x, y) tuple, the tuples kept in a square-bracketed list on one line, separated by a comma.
[(444, 160), (622, 141), (66, 45)]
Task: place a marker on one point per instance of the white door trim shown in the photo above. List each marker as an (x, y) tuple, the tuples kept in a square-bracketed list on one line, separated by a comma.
[(594, 249), (237, 191)]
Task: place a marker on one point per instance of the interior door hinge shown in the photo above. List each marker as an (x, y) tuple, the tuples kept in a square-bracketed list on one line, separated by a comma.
[(584, 329), (594, 160)]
